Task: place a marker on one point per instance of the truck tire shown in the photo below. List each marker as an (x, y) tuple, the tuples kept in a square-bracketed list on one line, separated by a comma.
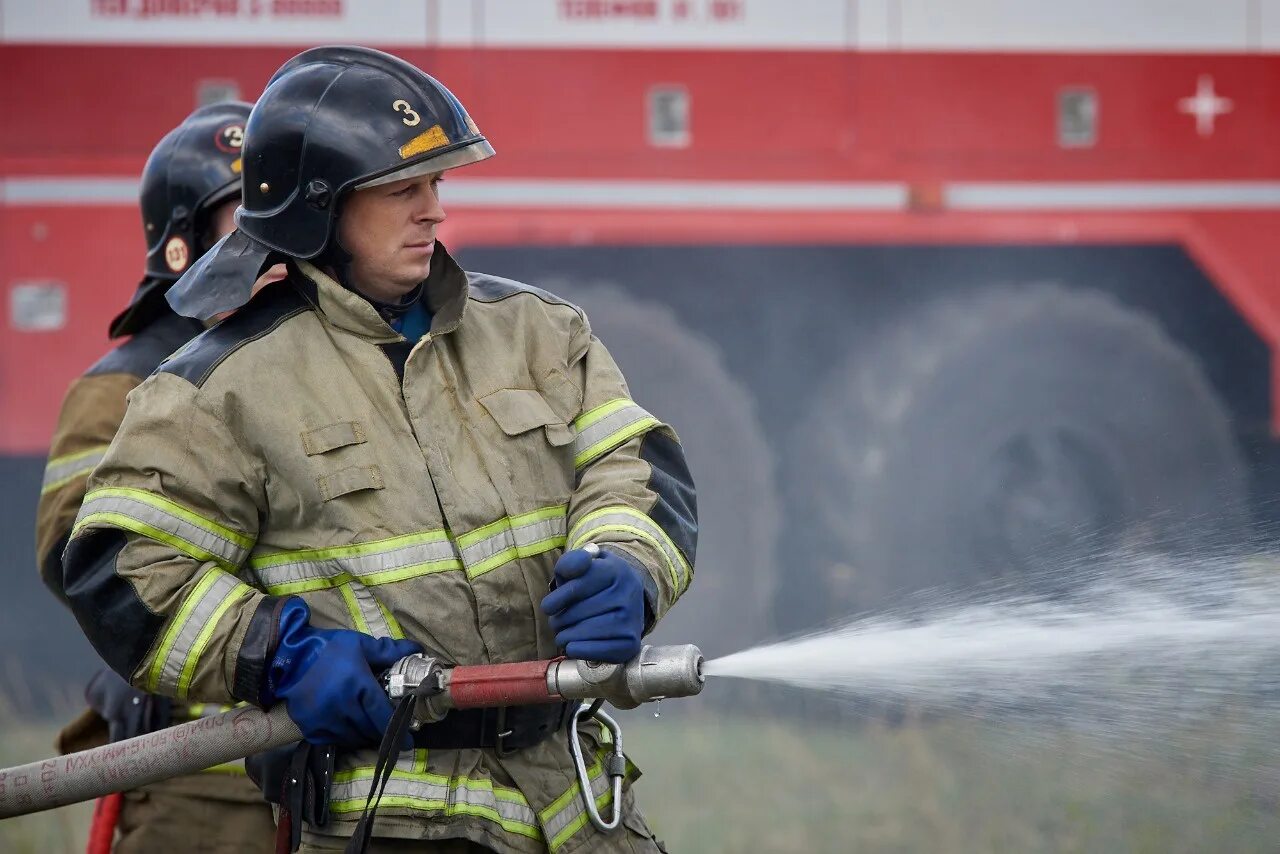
[(1005, 434), (680, 377)]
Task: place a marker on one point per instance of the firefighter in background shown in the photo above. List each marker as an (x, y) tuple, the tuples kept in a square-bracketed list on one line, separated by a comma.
[(189, 193), (382, 454)]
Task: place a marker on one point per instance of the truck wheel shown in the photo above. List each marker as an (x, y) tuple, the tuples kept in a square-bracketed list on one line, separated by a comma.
[(680, 377), (1005, 434)]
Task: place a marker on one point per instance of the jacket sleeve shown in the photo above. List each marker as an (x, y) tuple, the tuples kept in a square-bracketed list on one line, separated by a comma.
[(91, 413), (169, 519), (633, 494)]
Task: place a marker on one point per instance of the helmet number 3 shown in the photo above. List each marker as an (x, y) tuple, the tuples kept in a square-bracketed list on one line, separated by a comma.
[(411, 118)]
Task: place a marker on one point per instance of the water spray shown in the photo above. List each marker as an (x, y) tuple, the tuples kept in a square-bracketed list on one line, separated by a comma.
[(1144, 638)]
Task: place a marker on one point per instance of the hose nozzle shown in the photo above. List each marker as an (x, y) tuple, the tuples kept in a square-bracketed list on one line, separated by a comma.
[(656, 673)]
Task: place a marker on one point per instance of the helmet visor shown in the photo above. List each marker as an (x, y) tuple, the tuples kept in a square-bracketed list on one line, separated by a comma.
[(473, 153)]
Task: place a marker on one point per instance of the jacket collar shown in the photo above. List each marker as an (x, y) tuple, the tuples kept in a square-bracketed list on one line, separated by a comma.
[(446, 295)]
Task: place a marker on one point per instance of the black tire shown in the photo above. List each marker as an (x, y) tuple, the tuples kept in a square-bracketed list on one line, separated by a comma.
[(1010, 434), (680, 377)]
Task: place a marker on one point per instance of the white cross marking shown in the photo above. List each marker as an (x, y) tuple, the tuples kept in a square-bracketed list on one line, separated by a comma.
[(1206, 105)]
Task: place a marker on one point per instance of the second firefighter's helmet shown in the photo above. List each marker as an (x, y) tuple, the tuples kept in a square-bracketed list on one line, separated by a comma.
[(195, 168), (192, 170), (337, 119)]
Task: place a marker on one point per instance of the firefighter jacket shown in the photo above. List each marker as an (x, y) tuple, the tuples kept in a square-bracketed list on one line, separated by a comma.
[(91, 413), (406, 489)]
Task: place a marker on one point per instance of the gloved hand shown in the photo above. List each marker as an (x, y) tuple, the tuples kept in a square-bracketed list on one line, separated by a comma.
[(597, 608), (127, 711), (326, 679)]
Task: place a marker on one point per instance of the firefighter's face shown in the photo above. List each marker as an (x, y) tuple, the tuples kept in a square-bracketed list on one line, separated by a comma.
[(390, 232), (222, 221)]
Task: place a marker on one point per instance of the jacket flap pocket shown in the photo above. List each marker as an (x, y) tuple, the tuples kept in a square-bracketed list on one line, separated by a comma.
[(348, 480), (323, 439), (519, 410)]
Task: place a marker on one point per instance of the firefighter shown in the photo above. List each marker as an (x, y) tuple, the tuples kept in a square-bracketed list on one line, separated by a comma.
[(379, 455), (189, 193)]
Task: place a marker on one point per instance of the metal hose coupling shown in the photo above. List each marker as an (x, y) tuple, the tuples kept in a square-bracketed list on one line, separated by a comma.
[(657, 673)]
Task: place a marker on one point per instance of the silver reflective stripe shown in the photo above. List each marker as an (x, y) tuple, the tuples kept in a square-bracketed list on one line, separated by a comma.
[(369, 610), (360, 566), (194, 620), (63, 469), (555, 824), (148, 514), (609, 432), (507, 809), (478, 556), (612, 518), (438, 795)]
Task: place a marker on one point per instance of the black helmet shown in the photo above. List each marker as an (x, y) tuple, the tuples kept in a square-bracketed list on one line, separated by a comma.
[(335, 119), (193, 169), (331, 120)]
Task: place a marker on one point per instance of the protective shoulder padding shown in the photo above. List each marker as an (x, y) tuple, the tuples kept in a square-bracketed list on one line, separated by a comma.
[(265, 312)]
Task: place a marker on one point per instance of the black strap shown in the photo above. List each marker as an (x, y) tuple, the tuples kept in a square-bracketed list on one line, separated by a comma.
[(294, 795), (505, 729), (388, 752)]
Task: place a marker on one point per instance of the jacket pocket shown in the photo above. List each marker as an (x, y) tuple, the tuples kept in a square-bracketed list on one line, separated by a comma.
[(519, 410), (332, 436), (348, 480)]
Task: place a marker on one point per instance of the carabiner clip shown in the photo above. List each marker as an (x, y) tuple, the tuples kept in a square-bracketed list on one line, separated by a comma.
[(615, 766)]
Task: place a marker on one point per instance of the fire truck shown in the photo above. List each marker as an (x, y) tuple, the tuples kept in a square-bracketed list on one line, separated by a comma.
[(932, 291)]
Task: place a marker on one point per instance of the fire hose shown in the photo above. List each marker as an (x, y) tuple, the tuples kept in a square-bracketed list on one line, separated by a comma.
[(658, 672)]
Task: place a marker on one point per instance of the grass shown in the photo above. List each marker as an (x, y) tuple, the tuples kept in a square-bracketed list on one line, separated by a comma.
[(733, 784), (741, 785)]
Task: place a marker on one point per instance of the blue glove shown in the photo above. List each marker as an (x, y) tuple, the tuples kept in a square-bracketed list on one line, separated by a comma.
[(127, 711), (597, 608), (326, 679)]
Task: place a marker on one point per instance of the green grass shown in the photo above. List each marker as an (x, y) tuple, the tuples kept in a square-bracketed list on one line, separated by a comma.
[(734, 785), (739, 785)]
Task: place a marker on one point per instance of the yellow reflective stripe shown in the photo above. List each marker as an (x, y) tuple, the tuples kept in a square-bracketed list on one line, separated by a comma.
[(437, 793), (372, 563), (163, 504), (206, 633), (195, 711), (566, 815), (512, 537), (60, 471), (604, 410), (634, 524), (128, 523), (190, 629), (234, 769), (393, 625), (608, 426), (411, 555), (309, 586), (160, 519), (353, 608)]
